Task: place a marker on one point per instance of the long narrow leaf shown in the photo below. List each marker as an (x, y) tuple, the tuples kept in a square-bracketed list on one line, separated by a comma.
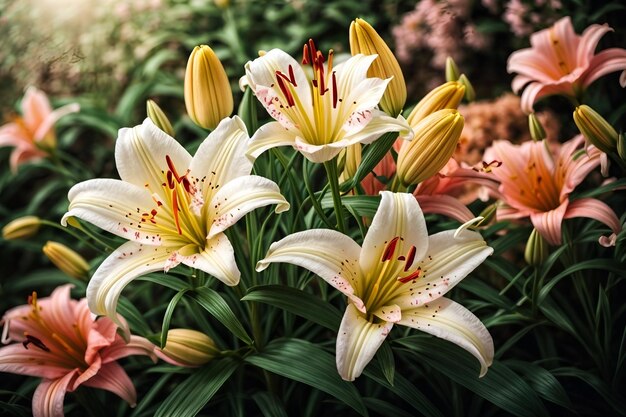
[(212, 302)]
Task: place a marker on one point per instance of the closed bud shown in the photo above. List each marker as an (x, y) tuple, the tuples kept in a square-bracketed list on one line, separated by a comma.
[(537, 131), (446, 96), (436, 138), (452, 71), (66, 260), (365, 40), (486, 216), (21, 228), (208, 96), (470, 94), (351, 160), (186, 347), (621, 146), (537, 250), (159, 118), (595, 128)]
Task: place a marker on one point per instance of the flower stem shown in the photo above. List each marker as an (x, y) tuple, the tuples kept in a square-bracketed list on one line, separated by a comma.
[(333, 180)]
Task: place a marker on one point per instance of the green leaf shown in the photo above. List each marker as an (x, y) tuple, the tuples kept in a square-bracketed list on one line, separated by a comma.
[(212, 302), (165, 327), (616, 402), (363, 205), (372, 155), (195, 392), (133, 317), (149, 397), (384, 408), (305, 362), (166, 280), (386, 362), (297, 302), (543, 382), (269, 404), (248, 111), (500, 385)]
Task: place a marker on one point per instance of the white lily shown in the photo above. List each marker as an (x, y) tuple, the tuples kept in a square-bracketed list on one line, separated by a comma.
[(319, 117), (399, 276), (171, 207)]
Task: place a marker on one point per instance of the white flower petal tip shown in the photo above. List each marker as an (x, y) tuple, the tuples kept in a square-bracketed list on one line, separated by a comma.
[(608, 241), (467, 225)]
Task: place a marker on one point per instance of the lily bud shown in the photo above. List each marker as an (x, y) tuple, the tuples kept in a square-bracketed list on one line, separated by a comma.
[(536, 251), (621, 146), (208, 96), (159, 118), (352, 160), (365, 40), (537, 131), (186, 347), (486, 216), (446, 96), (452, 71), (470, 94), (21, 228), (595, 128), (66, 259), (436, 138)]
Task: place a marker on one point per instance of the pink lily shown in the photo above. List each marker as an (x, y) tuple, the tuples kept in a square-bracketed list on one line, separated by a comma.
[(561, 62), (32, 135), (536, 183), (439, 194), (58, 339)]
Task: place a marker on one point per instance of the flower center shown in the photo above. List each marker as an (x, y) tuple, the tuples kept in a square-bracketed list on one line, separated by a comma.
[(391, 272), (535, 184), (560, 54)]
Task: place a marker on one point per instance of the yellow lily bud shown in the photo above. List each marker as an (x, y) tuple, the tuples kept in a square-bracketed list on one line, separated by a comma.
[(536, 129), (365, 40), (159, 118), (470, 94), (66, 259), (446, 96), (352, 160), (186, 347), (621, 146), (536, 251), (208, 96), (21, 228), (452, 71), (436, 137), (595, 128)]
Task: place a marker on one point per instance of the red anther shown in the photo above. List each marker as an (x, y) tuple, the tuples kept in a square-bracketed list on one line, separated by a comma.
[(411, 277), (390, 249), (334, 79), (313, 51), (409, 258), (175, 210), (187, 185), (172, 168), (280, 79), (292, 76), (305, 55), (35, 341), (170, 180), (322, 81)]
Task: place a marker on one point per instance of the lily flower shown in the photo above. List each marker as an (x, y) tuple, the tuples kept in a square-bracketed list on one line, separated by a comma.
[(171, 207), (58, 339), (536, 183), (32, 135), (319, 117), (399, 276), (561, 62)]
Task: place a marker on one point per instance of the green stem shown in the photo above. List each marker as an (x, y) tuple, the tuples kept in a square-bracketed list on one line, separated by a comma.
[(333, 180), (316, 204), (78, 237)]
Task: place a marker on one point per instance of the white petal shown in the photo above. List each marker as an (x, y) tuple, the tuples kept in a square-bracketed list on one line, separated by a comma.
[(217, 259), (350, 73), (331, 255), (357, 342), (239, 197), (140, 155), (451, 321), (269, 136), (448, 260), (126, 263), (399, 215), (221, 157), (117, 207), (320, 153), (361, 101), (391, 313), (262, 72), (379, 124)]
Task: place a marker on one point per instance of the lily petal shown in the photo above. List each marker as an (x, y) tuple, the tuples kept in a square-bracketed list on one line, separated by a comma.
[(270, 135), (53, 117), (121, 267), (113, 378), (38, 362), (217, 259), (451, 321), (548, 223), (331, 255), (221, 157), (448, 260), (49, 395), (596, 210), (136, 345), (239, 197), (117, 207), (446, 205), (357, 342), (398, 216), (140, 155), (608, 61), (379, 124)]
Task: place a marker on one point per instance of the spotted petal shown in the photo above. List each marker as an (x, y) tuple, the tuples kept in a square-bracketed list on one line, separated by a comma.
[(217, 259), (451, 321), (357, 342)]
